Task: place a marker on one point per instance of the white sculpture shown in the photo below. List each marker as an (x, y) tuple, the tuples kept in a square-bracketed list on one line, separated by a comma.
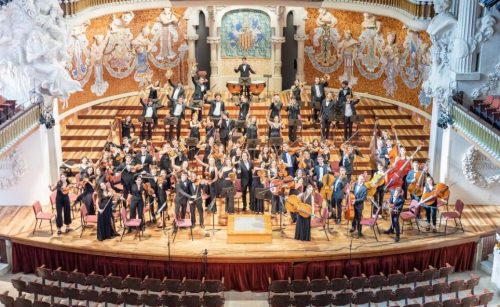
[(371, 48), (347, 49), (41, 37), (326, 36), (165, 29), (100, 85), (390, 62)]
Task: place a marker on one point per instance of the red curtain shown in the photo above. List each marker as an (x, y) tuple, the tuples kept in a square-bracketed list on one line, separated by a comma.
[(241, 276)]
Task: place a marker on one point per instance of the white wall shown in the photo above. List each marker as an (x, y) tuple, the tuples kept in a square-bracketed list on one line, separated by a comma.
[(461, 188), (33, 184)]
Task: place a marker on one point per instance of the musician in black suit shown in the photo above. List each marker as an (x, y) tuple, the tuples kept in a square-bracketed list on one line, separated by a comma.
[(226, 125), (293, 110), (245, 170), (317, 95), (127, 174), (244, 108), (320, 170), (347, 161), (326, 110), (348, 108), (244, 69), (338, 194), (360, 193), (397, 201), (200, 90), (178, 89), (144, 158), (197, 204), (344, 91), (137, 202), (149, 110), (183, 193), (127, 125), (217, 108), (289, 160), (177, 110)]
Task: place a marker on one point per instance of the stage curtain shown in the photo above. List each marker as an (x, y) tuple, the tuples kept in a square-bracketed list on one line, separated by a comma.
[(240, 276)]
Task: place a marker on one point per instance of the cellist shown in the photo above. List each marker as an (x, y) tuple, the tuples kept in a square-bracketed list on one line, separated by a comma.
[(338, 194), (303, 225), (411, 177)]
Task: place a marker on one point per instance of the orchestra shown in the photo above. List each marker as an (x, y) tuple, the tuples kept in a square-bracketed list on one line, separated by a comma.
[(234, 158)]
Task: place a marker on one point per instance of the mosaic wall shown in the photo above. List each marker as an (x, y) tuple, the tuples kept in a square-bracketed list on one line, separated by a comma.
[(119, 53), (377, 55)]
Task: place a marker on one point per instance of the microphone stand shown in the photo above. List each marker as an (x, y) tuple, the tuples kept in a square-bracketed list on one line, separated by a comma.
[(210, 208)]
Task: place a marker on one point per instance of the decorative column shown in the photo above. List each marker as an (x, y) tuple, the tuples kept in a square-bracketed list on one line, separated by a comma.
[(300, 38), (464, 42), (277, 41), (191, 54), (214, 42)]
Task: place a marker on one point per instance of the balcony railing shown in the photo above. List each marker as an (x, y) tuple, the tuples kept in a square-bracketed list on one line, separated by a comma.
[(418, 9), (471, 126), (19, 125)]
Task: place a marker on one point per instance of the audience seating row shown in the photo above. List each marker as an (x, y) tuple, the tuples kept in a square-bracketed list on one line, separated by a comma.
[(488, 109)]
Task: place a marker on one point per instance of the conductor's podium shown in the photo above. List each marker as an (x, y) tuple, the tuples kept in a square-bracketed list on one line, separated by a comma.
[(250, 228)]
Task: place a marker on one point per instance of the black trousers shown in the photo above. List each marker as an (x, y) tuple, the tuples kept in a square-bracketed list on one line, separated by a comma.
[(137, 209), (325, 128), (63, 210), (315, 111), (358, 214), (347, 128), (292, 133), (149, 128), (151, 204), (180, 209), (197, 206), (244, 190), (379, 199), (337, 206), (395, 223)]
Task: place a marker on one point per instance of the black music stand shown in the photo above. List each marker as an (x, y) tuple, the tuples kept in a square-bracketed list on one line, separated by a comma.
[(210, 208), (146, 122), (263, 194), (252, 146), (229, 192), (276, 143)]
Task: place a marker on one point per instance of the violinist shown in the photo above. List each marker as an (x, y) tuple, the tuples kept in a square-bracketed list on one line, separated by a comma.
[(194, 132), (379, 194), (296, 90), (85, 163), (289, 159), (177, 110), (293, 110), (226, 126), (338, 193), (197, 189), (137, 202), (151, 193), (162, 186), (397, 201), (275, 107), (303, 225), (411, 177), (182, 195), (318, 95), (305, 161), (105, 221), (259, 181), (319, 171), (326, 110), (209, 129), (63, 208), (344, 91), (144, 158), (149, 110), (227, 174), (116, 156), (167, 153), (299, 183), (126, 147), (216, 108), (315, 149), (245, 170), (265, 156), (252, 129), (347, 160), (213, 176), (430, 210), (244, 108), (360, 194), (127, 125), (87, 183)]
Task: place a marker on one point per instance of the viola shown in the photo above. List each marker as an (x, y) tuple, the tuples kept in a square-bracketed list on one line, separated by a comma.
[(396, 174), (275, 186), (288, 182), (282, 172)]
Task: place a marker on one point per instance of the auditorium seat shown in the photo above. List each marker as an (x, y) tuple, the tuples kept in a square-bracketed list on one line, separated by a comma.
[(400, 294), (319, 285), (23, 302), (454, 302), (44, 273), (20, 285), (342, 299), (362, 297), (485, 298), (339, 284), (191, 300), (301, 300), (6, 300), (446, 271), (77, 278), (421, 292), (427, 275), (153, 285), (114, 282), (35, 288), (96, 280), (319, 300), (214, 287), (412, 277), (89, 295), (395, 279), (280, 300), (73, 294), (357, 283), (61, 276), (150, 299), (110, 297), (468, 301), (382, 296), (279, 286), (377, 281), (174, 286), (471, 283), (133, 283), (130, 298), (53, 291)]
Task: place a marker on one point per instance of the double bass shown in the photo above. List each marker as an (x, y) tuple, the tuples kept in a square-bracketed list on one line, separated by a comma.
[(417, 186), (396, 173)]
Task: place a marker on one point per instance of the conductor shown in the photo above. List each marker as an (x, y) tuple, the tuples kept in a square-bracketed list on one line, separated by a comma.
[(244, 69)]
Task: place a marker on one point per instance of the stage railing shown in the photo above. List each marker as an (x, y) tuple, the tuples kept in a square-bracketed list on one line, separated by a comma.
[(418, 9), (20, 124), (472, 127)]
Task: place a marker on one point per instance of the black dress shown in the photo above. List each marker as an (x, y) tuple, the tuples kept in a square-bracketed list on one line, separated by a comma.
[(225, 183), (88, 200), (213, 190), (105, 222), (274, 132), (303, 226), (296, 93), (256, 205), (252, 132)]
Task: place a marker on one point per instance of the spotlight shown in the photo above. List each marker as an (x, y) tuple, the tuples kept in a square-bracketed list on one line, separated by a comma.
[(445, 120), (47, 120)]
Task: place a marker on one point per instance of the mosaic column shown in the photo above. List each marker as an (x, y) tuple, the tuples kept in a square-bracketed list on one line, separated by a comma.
[(300, 38), (214, 60), (191, 54)]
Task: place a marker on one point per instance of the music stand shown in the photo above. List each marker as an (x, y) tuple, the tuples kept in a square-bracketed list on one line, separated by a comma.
[(276, 142), (240, 124), (252, 146), (229, 192), (210, 208), (263, 194)]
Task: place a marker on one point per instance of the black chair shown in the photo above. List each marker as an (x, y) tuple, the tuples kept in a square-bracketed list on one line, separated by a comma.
[(446, 271), (299, 286), (421, 292), (280, 300), (43, 304), (395, 279), (214, 286), (362, 297), (485, 298), (342, 299), (471, 283), (302, 300), (170, 300), (133, 283), (319, 285), (77, 278), (428, 275), (153, 285), (114, 282), (89, 295), (357, 283), (60, 276), (151, 299), (400, 294), (411, 277), (6, 300), (470, 300), (71, 293), (377, 281), (110, 297), (130, 298), (213, 300), (455, 287), (20, 285), (53, 291), (23, 302), (191, 301), (339, 284), (96, 280), (382, 296), (35, 288), (194, 286), (173, 286), (454, 302), (44, 273)]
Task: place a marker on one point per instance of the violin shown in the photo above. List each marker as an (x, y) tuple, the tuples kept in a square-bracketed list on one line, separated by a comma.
[(441, 190), (288, 182), (282, 172), (275, 186), (149, 189), (232, 176), (396, 173)]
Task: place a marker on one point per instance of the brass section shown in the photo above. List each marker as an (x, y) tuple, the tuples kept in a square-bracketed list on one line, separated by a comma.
[(422, 9)]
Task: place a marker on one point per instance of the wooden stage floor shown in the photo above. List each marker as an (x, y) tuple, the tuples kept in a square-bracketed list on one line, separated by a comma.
[(17, 224)]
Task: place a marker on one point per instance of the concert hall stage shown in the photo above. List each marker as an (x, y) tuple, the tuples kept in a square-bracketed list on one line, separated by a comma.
[(244, 266)]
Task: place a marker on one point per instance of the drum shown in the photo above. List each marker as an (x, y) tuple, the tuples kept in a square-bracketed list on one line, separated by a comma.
[(234, 87), (256, 87)]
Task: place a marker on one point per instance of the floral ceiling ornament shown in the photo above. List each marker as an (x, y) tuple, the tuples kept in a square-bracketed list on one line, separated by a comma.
[(471, 173), (16, 168)]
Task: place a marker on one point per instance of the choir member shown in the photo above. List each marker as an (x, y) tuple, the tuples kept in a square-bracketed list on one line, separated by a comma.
[(326, 110), (317, 95)]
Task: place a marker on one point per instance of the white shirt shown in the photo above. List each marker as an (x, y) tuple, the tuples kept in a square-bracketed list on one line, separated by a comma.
[(318, 94), (143, 159), (178, 109), (149, 112), (247, 165), (348, 110), (288, 159), (327, 102), (244, 67), (202, 87), (217, 108), (320, 177), (356, 188), (344, 91), (176, 93), (337, 182)]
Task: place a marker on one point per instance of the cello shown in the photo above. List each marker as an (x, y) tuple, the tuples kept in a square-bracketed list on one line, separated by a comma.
[(349, 206), (417, 187), (293, 204), (326, 190), (393, 153), (396, 173), (441, 190)]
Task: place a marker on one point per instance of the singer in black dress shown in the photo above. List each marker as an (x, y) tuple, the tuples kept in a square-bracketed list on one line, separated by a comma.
[(303, 226), (105, 222)]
